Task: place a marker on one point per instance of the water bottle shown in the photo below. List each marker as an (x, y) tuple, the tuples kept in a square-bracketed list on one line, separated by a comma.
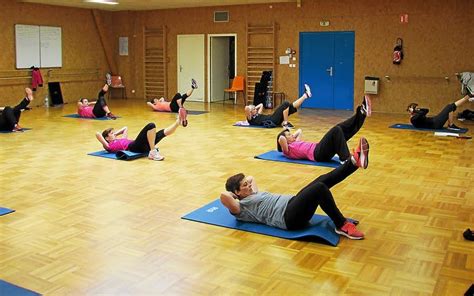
[(46, 101)]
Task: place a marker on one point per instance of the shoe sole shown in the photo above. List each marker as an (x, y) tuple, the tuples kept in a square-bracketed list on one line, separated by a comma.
[(368, 105), (307, 91), (347, 235), (364, 152)]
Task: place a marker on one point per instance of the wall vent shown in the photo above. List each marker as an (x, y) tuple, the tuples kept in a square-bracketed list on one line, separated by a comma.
[(221, 16)]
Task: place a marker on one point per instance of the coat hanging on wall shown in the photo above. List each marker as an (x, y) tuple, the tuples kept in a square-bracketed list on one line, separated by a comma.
[(398, 52)]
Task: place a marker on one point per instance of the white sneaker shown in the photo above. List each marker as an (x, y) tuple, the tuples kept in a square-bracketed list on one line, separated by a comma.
[(108, 78), (155, 155), (307, 90)]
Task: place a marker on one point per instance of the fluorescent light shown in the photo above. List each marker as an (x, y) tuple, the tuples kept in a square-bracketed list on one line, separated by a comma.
[(110, 2)]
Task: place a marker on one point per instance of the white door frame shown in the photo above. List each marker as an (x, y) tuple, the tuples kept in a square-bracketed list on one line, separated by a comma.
[(209, 36)]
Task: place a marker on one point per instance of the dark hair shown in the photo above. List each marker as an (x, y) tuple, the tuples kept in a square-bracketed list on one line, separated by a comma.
[(152, 100), (233, 183), (106, 133), (82, 100), (282, 133), (412, 105)]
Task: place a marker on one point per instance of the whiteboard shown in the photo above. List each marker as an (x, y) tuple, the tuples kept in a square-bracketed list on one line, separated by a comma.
[(27, 43), (39, 46), (50, 47)]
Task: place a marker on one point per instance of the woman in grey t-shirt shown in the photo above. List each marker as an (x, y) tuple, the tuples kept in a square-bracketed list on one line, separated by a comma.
[(247, 203)]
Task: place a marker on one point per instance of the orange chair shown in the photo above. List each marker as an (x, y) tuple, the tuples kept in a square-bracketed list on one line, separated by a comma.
[(237, 86), (117, 84)]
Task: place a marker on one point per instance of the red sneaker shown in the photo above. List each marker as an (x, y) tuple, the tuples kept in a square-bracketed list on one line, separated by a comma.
[(361, 154), (349, 230), (182, 113)]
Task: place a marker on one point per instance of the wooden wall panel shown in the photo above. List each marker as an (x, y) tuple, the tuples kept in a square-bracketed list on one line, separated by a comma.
[(435, 38), (82, 51)]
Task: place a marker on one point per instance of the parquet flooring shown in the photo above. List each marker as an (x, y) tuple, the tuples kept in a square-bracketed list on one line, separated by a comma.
[(87, 226)]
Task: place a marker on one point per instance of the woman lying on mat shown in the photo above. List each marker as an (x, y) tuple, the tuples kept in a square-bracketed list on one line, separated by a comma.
[(246, 203), (176, 103), (279, 116), (419, 119), (10, 117), (100, 109), (333, 142), (145, 141)]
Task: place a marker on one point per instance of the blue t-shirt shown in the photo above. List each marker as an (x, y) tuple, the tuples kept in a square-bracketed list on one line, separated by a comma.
[(264, 207)]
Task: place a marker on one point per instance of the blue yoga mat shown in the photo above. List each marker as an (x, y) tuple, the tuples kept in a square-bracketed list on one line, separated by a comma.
[(4, 211), (215, 213), (77, 116), (411, 127), (10, 132), (278, 156), (120, 155), (12, 290)]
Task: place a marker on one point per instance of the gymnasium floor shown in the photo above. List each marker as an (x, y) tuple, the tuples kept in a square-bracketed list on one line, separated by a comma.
[(86, 226)]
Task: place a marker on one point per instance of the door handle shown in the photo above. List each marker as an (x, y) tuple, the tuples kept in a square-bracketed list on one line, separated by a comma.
[(329, 70), (180, 68)]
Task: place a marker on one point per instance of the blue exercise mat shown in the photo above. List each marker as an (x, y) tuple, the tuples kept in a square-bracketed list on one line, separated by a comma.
[(215, 213), (10, 132), (95, 118), (4, 211), (120, 155), (278, 156), (8, 289), (411, 127)]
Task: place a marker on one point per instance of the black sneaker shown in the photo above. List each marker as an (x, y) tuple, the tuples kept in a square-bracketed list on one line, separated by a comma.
[(194, 84), (454, 127), (468, 235)]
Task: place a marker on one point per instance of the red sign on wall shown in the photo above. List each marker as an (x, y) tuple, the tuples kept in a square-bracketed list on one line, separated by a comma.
[(403, 18)]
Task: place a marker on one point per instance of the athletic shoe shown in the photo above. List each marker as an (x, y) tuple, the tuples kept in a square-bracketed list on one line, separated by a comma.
[(111, 116), (182, 115), (349, 230), (155, 155), (361, 154), (367, 105), (108, 78), (17, 128), (194, 84), (468, 235), (307, 91), (454, 127), (471, 99)]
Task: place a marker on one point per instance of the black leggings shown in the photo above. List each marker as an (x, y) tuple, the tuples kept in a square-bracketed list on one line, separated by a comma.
[(302, 206), (277, 116), (140, 145), (443, 116), (98, 110), (335, 140), (11, 116), (174, 104)]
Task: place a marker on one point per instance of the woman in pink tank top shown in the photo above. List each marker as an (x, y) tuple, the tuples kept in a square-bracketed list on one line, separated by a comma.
[(99, 108), (333, 142), (114, 141)]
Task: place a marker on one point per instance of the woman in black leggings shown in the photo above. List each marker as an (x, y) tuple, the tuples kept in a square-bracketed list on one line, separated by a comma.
[(279, 116), (10, 117), (419, 119), (246, 203), (100, 108), (114, 141), (333, 142)]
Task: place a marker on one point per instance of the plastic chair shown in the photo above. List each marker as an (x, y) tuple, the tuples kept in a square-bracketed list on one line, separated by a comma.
[(117, 84), (237, 86)]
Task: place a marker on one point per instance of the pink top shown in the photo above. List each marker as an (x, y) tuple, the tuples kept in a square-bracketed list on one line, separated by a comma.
[(162, 106), (301, 150), (119, 144), (85, 111)]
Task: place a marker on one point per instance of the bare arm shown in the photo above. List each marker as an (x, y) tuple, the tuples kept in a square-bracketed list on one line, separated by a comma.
[(298, 134), (102, 140), (123, 131), (79, 104), (253, 183), (283, 144), (229, 201), (259, 108)]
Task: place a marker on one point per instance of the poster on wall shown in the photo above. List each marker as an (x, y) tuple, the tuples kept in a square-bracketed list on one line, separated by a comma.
[(123, 46)]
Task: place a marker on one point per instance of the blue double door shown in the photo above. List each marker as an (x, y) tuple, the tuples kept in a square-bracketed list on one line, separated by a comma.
[(327, 65)]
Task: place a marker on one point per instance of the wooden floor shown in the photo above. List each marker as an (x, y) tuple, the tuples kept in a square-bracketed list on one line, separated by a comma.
[(86, 226)]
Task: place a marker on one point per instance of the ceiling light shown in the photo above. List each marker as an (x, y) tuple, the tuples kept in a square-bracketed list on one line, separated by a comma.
[(110, 2)]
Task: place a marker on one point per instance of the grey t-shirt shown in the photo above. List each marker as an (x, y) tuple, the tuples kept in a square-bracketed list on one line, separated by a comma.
[(264, 207)]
